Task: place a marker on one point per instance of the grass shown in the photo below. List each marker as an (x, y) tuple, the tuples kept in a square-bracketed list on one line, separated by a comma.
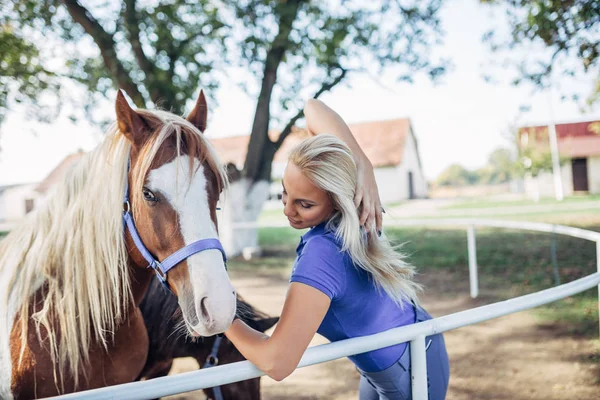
[(510, 263)]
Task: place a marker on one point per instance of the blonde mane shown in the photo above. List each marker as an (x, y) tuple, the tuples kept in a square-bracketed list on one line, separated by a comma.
[(68, 261)]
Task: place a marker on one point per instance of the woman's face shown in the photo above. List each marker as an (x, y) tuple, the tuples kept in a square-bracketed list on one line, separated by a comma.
[(305, 204)]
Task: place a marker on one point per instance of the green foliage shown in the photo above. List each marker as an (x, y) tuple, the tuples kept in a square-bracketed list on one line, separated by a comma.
[(499, 169), (161, 52), (22, 76), (324, 40), (568, 31), (534, 162), (456, 175)]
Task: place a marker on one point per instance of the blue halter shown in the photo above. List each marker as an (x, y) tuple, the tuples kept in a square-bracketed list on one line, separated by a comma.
[(161, 268)]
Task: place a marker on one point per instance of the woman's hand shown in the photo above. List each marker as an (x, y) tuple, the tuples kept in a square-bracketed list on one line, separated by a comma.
[(322, 119), (366, 197)]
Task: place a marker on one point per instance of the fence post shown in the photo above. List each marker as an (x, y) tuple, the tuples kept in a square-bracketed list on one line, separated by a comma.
[(418, 367), (598, 269), (472, 249)]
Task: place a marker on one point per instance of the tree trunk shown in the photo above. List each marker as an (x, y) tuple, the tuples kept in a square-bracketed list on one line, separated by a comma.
[(246, 197), (242, 206)]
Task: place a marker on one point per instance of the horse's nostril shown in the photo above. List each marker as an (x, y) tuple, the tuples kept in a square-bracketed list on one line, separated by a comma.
[(203, 308)]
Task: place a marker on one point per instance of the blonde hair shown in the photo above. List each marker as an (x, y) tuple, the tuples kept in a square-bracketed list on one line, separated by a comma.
[(73, 246), (329, 164)]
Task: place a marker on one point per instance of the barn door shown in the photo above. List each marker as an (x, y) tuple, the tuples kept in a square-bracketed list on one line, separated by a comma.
[(580, 174)]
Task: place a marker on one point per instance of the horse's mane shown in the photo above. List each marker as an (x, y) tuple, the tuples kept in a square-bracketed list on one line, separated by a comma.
[(72, 247)]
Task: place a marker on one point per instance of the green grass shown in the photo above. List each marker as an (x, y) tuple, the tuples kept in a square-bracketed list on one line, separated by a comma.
[(510, 263), (491, 203), (268, 214)]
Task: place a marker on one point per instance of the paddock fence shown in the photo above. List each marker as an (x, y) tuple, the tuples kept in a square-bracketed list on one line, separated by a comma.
[(414, 334)]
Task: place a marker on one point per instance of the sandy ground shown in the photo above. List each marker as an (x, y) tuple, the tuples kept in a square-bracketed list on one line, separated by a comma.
[(513, 357)]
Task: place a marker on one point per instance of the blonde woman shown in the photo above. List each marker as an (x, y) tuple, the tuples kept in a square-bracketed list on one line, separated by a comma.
[(347, 280)]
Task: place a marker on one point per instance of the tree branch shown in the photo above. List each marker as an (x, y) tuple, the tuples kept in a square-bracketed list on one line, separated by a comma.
[(131, 23), (105, 42), (324, 88), (258, 168)]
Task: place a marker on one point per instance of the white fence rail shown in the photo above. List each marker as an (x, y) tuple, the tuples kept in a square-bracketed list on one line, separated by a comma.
[(415, 334)]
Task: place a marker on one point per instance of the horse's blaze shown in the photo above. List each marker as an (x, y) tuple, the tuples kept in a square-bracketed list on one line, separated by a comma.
[(205, 293), (188, 217)]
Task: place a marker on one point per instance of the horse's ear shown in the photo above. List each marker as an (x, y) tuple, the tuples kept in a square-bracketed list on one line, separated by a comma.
[(130, 123), (198, 115)]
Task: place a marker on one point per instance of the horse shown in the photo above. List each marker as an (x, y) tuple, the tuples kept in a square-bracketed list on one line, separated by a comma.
[(162, 317), (73, 274)]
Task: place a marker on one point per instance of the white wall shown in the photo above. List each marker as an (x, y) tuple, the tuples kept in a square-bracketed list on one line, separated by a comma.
[(392, 187), (12, 201), (392, 181), (594, 174), (543, 184), (410, 163)]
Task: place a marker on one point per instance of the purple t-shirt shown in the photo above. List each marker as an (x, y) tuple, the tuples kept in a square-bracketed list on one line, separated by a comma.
[(357, 307)]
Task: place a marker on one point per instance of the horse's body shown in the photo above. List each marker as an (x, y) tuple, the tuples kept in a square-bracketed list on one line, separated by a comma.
[(162, 317), (71, 279)]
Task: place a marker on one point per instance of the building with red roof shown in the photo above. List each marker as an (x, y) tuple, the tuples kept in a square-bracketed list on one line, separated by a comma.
[(390, 145), (579, 149)]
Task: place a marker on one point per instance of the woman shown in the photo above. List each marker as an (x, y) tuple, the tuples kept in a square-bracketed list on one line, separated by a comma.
[(347, 280)]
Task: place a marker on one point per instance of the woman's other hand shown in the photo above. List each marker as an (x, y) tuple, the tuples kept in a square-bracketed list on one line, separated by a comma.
[(366, 197), (322, 119)]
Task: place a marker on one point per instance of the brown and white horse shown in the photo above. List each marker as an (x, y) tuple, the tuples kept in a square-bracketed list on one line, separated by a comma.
[(71, 277)]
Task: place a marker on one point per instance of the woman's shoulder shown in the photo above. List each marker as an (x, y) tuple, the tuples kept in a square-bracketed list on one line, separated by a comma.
[(324, 244)]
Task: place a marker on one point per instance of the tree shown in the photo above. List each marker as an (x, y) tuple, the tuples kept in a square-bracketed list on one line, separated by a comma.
[(456, 175), (161, 52), (22, 76), (499, 168), (569, 31)]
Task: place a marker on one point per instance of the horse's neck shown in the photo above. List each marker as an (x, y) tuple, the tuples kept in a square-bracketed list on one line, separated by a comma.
[(140, 280)]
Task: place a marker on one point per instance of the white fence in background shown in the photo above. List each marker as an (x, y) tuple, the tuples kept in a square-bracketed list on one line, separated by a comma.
[(415, 334)]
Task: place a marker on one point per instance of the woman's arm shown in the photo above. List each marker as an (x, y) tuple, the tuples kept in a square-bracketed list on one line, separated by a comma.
[(279, 355), (322, 119)]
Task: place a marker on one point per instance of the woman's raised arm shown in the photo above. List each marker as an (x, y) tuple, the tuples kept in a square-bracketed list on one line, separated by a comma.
[(322, 119)]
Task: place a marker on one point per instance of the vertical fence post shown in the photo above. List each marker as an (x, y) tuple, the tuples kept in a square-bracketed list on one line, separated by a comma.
[(472, 249), (598, 269), (418, 367)]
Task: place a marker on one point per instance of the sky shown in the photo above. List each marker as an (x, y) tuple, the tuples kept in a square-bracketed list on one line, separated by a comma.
[(461, 120)]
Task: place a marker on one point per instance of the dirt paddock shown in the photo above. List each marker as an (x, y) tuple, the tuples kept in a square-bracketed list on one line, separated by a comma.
[(512, 357)]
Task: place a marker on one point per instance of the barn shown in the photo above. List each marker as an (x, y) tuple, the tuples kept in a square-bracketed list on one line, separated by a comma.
[(579, 150), (390, 145)]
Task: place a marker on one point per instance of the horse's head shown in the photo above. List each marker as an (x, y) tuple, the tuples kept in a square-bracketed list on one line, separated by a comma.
[(175, 182)]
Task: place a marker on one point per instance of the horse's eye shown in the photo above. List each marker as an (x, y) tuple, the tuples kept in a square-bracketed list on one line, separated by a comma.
[(148, 195)]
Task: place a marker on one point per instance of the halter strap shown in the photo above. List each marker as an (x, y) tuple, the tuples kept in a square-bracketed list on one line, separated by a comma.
[(213, 360), (161, 268)]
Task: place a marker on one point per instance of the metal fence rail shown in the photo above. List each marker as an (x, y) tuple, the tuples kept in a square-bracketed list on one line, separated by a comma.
[(415, 334)]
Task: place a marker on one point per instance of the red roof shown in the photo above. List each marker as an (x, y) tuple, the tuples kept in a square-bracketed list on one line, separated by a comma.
[(382, 142), (579, 139)]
